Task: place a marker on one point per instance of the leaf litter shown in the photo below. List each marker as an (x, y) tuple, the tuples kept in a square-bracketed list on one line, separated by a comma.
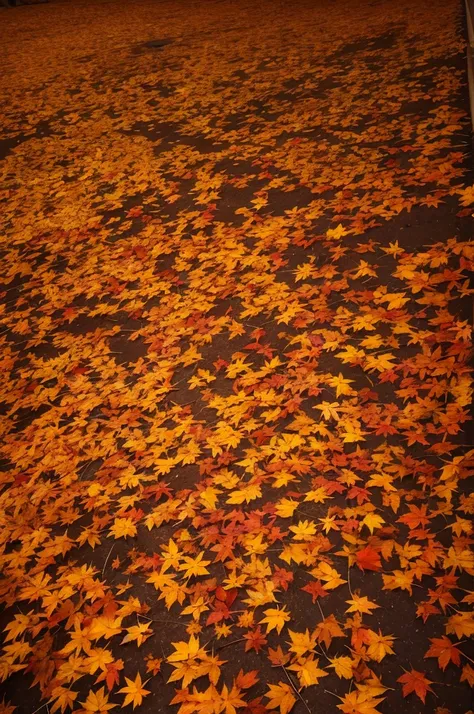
[(235, 359)]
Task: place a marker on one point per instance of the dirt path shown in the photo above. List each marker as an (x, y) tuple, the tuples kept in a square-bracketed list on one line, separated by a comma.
[(235, 340)]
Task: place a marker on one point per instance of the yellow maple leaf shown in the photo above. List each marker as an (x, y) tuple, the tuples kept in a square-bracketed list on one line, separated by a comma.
[(361, 604), (305, 530), (335, 233), (209, 497), (379, 645), (280, 697), (275, 619), (63, 699), (380, 362), (317, 495), (97, 702), (123, 527), (327, 629), (467, 196), (461, 624), (186, 650), (286, 507), (247, 493), (341, 384), (308, 671), (359, 703), (302, 642), (342, 667), (138, 633), (329, 410), (399, 579), (331, 577), (98, 659), (196, 608), (229, 700), (194, 566), (462, 559), (372, 521), (134, 691), (103, 626)]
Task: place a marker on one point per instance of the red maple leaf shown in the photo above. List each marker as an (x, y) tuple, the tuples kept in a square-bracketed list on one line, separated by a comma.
[(255, 640), (247, 679), (415, 682), (315, 589), (368, 559), (445, 651), (282, 578)]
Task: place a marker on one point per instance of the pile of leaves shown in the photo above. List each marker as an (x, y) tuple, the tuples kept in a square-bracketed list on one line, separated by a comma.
[(235, 358)]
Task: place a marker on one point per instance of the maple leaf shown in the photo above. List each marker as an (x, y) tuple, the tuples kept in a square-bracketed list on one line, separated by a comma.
[(247, 493), (329, 410), (196, 608), (327, 629), (286, 507), (134, 691), (255, 640), (280, 697), (418, 516), (336, 233), (304, 530), (111, 674), (17, 626), (275, 619), (302, 642), (245, 680), (103, 626), (97, 702), (464, 560), (230, 700), (194, 566), (330, 575), (153, 665), (308, 671), (415, 681), (461, 624), (98, 659), (341, 385), (315, 589), (359, 703), (138, 633), (445, 651), (379, 645), (361, 604), (467, 675), (372, 521), (123, 527), (343, 667), (467, 196), (398, 580), (186, 650), (62, 699), (277, 657)]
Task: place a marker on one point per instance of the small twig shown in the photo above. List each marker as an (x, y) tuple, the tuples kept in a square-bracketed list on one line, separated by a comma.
[(466, 656), (228, 644), (39, 708), (320, 609), (107, 559), (349, 579), (164, 622)]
